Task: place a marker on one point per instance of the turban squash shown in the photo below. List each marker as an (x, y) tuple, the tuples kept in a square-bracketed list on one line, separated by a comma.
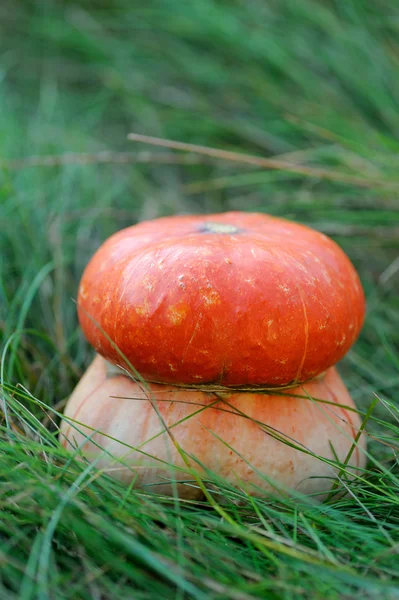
[(215, 313)]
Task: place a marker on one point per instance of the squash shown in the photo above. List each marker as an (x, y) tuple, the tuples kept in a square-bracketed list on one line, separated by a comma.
[(235, 321), (257, 442), (234, 299)]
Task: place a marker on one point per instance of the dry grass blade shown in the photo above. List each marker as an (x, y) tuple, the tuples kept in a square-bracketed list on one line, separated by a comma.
[(267, 163)]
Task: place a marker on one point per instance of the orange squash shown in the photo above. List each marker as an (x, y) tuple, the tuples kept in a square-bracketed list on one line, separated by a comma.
[(233, 304), (234, 299), (239, 437)]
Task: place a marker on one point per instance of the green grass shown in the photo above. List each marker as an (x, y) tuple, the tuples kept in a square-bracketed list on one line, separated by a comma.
[(313, 83)]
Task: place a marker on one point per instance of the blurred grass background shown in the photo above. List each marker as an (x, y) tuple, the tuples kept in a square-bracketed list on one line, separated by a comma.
[(312, 83)]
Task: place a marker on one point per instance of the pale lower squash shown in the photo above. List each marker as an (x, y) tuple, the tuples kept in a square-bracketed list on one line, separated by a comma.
[(208, 428)]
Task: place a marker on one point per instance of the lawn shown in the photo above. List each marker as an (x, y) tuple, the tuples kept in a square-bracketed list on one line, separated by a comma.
[(314, 88)]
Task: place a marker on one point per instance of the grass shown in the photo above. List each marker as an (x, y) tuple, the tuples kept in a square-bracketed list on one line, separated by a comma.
[(310, 83)]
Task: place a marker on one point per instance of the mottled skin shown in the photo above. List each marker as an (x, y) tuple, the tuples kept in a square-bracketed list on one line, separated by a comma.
[(119, 407), (261, 302)]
